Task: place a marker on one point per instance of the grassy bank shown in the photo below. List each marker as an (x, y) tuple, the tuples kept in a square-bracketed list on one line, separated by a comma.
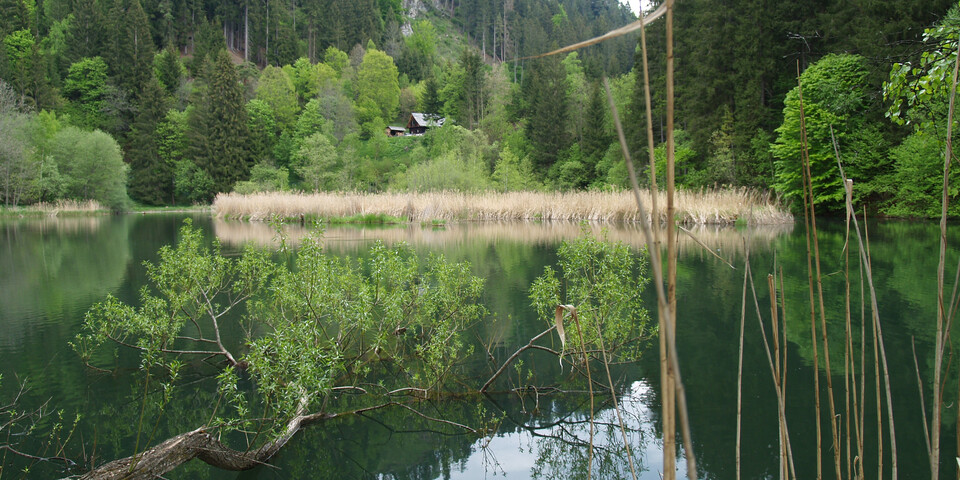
[(704, 207)]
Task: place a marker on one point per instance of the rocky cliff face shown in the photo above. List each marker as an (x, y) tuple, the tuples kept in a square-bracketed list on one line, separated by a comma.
[(416, 8)]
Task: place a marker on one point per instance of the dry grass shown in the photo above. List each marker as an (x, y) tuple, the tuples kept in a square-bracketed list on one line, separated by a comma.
[(63, 206), (704, 207)]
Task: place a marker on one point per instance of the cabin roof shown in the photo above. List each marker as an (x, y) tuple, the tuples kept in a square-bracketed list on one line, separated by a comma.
[(425, 120)]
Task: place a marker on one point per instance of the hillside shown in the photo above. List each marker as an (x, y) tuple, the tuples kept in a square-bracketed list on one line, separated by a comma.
[(196, 98)]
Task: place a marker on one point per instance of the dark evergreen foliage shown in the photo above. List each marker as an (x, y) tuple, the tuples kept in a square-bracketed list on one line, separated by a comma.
[(218, 126), (151, 178), (547, 112)]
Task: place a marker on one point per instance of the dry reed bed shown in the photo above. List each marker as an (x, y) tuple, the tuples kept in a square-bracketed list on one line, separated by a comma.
[(703, 207)]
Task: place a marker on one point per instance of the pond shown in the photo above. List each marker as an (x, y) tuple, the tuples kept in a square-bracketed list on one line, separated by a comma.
[(53, 269)]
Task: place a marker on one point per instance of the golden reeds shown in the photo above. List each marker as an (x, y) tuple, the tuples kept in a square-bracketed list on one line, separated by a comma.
[(69, 206), (694, 207)]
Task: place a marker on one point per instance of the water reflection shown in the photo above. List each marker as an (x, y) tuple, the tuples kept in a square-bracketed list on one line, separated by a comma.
[(54, 265), (728, 242), (52, 270)]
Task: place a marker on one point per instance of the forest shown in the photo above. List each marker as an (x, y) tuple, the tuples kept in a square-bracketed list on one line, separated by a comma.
[(169, 102)]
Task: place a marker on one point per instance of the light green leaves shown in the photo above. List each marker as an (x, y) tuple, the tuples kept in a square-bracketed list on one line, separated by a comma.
[(602, 282)]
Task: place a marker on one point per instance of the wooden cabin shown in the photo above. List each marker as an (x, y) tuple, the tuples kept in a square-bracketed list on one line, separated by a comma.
[(420, 122), (396, 131)]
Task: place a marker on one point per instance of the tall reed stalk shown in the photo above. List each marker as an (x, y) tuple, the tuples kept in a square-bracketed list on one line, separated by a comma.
[(743, 319), (941, 267), (786, 448), (807, 202), (669, 387), (662, 299)]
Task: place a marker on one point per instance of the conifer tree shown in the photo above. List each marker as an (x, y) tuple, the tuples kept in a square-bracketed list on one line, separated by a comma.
[(169, 70), (218, 125), (151, 178), (595, 137), (431, 97), (137, 51), (87, 39), (547, 112)]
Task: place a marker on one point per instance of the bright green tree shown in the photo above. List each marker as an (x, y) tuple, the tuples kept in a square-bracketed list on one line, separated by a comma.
[(92, 166), (306, 79), (168, 69), (377, 80), (316, 163), (86, 89), (19, 46), (262, 128), (835, 97), (277, 90)]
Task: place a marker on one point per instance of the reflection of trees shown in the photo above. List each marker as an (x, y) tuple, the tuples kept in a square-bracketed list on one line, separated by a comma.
[(52, 265)]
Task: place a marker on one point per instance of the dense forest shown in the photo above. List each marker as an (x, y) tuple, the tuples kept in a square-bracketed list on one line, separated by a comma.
[(172, 101)]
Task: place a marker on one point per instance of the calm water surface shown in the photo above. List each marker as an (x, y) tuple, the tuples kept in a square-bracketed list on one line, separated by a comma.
[(53, 270)]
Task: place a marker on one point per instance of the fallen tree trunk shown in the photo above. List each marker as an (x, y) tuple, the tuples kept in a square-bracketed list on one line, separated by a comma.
[(202, 445)]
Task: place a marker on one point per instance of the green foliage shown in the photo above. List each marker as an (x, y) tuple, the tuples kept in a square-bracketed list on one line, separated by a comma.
[(571, 172), (305, 77), (419, 51), (27, 174), (919, 95), (192, 184), (835, 96), (316, 163), (337, 59), (264, 178), (513, 174), (171, 137), (392, 321), (92, 167), (722, 164), (918, 178), (262, 127), (19, 46), (277, 90), (604, 282), (135, 59), (472, 98), (683, 157), (547, 114), (377, 82), (168, 69), (151, 178), (918, 92), (86, 89), (217, 133)]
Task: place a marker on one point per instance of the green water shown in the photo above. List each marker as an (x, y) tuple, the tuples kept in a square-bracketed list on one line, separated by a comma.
[(53, 270)]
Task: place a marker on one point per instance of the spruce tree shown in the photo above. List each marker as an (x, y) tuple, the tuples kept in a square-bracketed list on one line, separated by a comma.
[(151, 179), (137, 51), (431, 97), (218, 126), (547, 112), (169, 70), (595, 137), (88, 31)]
